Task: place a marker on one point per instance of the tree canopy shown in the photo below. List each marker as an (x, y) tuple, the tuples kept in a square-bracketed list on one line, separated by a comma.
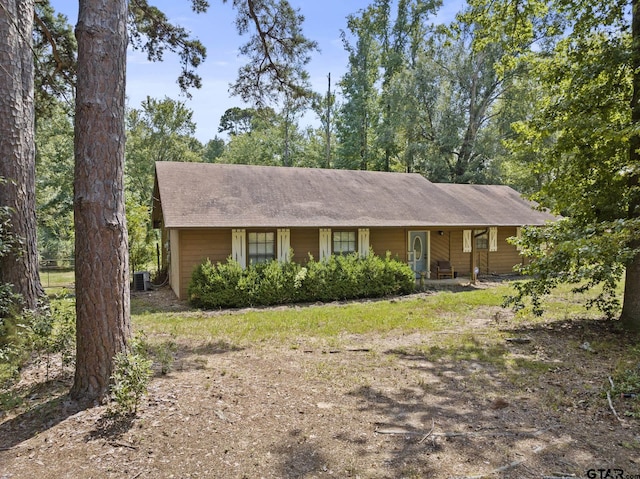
[(583, 132)]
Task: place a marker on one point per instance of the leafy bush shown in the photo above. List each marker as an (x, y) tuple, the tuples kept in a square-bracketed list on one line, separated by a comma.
[(130, 380), (48, 330), (216, 286), (336, 278)]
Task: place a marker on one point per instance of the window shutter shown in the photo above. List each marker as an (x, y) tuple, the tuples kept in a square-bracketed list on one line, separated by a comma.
[(325, 243), (284, 245), (363, 242), (238, 246), (466, 241), (493, 239)]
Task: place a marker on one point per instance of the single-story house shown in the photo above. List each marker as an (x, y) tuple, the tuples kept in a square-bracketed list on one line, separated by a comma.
[(258, 213)]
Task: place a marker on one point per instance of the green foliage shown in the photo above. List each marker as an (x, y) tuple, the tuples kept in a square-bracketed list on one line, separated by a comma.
[(420, 98), (54, 183), (580, 138), (142, 239), (130, 380), (215, 285), (591, 258), (51, 331), (339, 277), (39, 335), (55, 49), (359, 112), (271, 139), (236, 121), (213, 150), (160, 130), (261, 147), (163, 353)]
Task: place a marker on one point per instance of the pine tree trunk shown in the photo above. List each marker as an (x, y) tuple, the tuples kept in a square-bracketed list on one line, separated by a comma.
[(17, 147), (631, 307), (102, 271)]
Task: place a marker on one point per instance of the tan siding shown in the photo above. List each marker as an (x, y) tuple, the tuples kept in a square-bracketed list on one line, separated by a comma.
[(459, 260), (303, 242), (503, 260), (492, 262), (191, 247), (439, 248), (196, 246), (389, 239), (482, 261)]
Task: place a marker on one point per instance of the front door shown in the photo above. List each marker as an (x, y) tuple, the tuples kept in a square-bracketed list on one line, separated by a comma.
[(418, 252)]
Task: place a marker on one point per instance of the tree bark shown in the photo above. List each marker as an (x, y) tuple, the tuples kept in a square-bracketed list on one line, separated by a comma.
[(631, 303), (17, 147), (102, 271), (631, 307)]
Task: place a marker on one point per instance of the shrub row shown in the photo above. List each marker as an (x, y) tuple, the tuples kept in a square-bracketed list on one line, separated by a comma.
[(228, 285)]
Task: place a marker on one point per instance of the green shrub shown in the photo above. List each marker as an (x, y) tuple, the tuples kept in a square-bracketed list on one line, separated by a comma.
[(216, 286), (274, 283), (130, 380), (336, 278), (37, 336), (51, 330)]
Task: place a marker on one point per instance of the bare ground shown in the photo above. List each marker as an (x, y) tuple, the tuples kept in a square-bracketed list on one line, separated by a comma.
[(373, 407)]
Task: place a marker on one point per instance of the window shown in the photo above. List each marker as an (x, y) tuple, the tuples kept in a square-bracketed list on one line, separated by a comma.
[(482, 239), (417, 248), (261, 247), (344, 242)]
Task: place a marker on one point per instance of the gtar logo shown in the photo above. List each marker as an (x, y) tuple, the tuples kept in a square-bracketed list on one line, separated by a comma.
[(605, 474)]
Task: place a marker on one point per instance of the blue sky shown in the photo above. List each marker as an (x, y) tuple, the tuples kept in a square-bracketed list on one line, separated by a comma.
[(324, 19)]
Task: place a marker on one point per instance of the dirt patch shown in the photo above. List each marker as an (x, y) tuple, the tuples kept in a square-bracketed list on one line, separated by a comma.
[(371, 407)]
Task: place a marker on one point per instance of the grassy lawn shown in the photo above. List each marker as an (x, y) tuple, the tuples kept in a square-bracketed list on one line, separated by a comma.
[(436, 312), (324, 322), (54, 281)]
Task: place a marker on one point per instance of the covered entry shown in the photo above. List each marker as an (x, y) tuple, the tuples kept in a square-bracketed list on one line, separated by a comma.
[(419, 253)]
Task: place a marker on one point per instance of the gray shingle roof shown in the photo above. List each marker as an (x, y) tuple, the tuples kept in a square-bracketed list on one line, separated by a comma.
[(217, 195)]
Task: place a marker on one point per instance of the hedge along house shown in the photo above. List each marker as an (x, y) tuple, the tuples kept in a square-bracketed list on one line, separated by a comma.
[(260, 213)]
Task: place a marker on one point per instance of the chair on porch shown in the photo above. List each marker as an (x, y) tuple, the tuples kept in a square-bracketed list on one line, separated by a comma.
[(443, 269)]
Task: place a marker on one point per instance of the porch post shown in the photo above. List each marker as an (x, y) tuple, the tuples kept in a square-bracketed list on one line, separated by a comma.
[(474, 276)]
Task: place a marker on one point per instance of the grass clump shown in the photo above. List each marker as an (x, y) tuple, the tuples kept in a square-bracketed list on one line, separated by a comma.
[(626, 381), (228, 285)]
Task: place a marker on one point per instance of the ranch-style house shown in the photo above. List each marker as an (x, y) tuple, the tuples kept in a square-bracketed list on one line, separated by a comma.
[(260, 213)]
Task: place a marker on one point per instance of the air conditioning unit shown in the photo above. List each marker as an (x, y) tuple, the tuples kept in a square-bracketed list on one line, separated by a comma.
[(141, 281)]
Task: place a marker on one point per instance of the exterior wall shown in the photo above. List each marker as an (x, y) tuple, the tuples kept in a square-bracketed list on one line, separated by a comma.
[(459, 259), (507, 256), (440, 249), (393, 240), (190, 247), (196, 246), (305, 241), (449, 246)]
